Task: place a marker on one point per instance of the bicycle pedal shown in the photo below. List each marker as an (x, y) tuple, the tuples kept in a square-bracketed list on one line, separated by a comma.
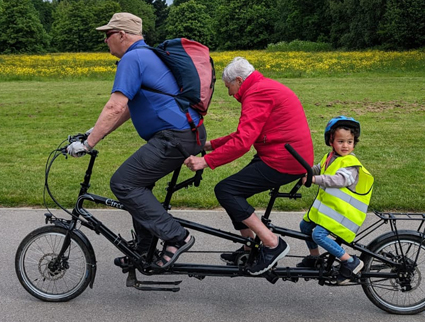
[(271, 276)]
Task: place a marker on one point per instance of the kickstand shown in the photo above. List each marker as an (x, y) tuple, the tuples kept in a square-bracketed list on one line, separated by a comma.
[(133, 282)]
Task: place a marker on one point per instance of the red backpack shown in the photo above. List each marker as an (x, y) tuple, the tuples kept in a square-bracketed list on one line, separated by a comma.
[(193, 68)]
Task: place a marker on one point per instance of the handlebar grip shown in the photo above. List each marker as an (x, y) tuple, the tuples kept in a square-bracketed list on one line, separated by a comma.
[(198, 175), (303, 162)]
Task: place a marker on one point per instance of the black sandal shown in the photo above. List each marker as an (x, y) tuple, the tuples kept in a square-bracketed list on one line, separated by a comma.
[(122, 262), (181, 246)]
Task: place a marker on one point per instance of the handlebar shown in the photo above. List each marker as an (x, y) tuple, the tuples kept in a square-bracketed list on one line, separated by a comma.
[(303, 162), (80, 137), (83, 136)]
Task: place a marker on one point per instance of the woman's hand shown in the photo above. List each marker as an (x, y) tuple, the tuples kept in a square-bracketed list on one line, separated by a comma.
[(195, 163), (207, 146)]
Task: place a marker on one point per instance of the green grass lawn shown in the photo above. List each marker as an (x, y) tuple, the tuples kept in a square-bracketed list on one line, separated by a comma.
[(37, 116)]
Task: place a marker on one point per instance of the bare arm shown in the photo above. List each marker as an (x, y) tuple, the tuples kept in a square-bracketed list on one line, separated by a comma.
[(114, 114)]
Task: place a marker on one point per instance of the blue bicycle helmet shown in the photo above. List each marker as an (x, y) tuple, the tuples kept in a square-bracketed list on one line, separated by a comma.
[(340, 121)]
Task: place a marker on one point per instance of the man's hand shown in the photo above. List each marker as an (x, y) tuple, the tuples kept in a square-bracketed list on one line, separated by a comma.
[(77, 149), (195, 163)]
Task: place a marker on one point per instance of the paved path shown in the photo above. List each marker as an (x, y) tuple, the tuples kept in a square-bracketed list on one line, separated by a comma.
[(212, 299)]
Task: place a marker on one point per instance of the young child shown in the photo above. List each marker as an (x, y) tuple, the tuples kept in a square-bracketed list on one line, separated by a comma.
[(345, 188)]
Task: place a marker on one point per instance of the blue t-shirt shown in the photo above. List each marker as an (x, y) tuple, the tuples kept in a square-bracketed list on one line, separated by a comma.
[(150, 112)]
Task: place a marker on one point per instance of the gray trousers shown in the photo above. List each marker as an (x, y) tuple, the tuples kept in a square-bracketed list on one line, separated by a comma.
[(134, 180)]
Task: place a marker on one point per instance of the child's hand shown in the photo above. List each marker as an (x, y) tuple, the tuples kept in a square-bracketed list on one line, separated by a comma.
[(305, 179)]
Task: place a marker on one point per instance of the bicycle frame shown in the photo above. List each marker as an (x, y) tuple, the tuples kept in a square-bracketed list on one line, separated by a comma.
[(325, 274)]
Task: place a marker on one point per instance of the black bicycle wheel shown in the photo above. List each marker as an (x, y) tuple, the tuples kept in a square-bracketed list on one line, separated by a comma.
[(53, 283), (397, 295)]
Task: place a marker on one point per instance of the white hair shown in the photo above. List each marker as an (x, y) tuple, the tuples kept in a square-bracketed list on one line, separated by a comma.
[(239, 66)]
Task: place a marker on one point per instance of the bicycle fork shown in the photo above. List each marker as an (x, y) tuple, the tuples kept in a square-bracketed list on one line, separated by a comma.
[(61, 261)]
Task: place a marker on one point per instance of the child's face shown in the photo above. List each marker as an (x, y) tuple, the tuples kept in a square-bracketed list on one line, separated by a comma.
[(343, 142)]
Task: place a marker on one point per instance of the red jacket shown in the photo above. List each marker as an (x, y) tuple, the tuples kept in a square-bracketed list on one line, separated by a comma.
[(271, 115)]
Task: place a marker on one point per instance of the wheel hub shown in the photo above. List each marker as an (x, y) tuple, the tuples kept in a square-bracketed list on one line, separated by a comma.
[(409, 277), (51, 268)]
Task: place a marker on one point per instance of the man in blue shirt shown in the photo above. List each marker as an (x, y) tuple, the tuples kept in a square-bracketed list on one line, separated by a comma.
[(158, 119)]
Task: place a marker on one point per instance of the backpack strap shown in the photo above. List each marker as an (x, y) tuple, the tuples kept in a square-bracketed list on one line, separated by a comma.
[(156, 91), (193, 127)]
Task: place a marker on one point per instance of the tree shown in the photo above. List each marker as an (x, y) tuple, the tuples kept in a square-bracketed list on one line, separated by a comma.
[(72, 26), (179, 2), (75, 22), (45, 11), (245, 24), (365, 24), (355, 23), (191, 21), (20, 28), (161, 15), (303, 20), (403, 25), (102, 13)]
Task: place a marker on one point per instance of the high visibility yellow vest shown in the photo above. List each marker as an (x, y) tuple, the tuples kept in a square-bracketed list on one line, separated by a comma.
[(340, 210)]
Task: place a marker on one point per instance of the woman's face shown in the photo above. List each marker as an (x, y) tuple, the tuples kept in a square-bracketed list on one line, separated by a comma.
[(233, 86)]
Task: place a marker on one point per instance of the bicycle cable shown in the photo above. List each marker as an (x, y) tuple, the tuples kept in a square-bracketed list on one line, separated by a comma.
[(52, 157)]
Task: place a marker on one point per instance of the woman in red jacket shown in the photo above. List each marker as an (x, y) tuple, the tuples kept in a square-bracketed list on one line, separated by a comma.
[(271, 115)]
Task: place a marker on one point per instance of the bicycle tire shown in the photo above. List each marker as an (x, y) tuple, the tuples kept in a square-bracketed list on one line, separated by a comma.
[(388, 294), (38, 249)]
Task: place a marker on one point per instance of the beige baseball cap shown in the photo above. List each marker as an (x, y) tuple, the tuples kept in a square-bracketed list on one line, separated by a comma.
[(124, 21)]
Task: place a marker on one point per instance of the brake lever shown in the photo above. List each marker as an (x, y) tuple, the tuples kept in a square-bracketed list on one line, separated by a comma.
[(77, 137)]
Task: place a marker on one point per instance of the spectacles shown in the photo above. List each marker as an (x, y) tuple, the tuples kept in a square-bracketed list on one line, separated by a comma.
[(110, 33)]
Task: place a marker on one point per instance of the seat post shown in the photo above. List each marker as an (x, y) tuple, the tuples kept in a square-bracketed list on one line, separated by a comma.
[(273, 195), (170, 189)]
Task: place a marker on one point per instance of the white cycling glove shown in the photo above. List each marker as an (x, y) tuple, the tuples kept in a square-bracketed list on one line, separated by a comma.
[(77, 149)]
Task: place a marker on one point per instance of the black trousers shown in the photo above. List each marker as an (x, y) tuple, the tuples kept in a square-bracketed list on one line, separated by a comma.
[(232, 193), (134, 180)]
